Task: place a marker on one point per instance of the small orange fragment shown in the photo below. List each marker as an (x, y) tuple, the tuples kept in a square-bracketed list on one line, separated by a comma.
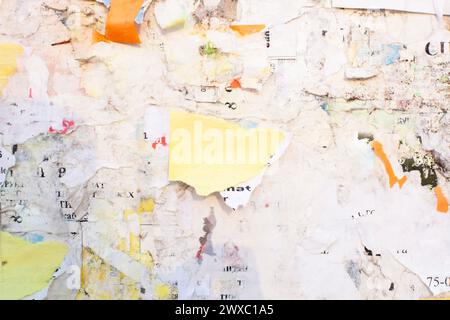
[(246, 29), (235, 84), (442, 204), (98, 37)]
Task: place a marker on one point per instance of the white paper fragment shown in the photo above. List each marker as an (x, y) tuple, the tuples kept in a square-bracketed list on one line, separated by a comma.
[(156, 123), (206, 94), (282, 43), (235, 197), (171, 13), (210, 5), (270, 12), (149, 233), (421, 6), (360, 73), (203, 286), (20, 122), (238, 196), (224, 41), (7, 160), (335, 59), (38, 78), (156, 128)]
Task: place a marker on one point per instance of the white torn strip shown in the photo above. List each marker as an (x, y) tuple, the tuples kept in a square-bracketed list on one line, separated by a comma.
[(420, 6), (282, 43), (360, 73), (171, 13), (439, 9)]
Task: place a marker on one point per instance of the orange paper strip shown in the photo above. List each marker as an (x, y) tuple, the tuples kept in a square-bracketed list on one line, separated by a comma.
[(378, 149), (442, 204), (120, 24), (246, 29)]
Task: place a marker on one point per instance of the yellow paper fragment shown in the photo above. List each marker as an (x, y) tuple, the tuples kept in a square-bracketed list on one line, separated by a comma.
[(101, 281), (133, 246), (26, 268), (146, 205), (9, 53), (211, 154), (162, 291)]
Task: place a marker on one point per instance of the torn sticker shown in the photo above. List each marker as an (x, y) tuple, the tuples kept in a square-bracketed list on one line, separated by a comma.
[(211, 154)]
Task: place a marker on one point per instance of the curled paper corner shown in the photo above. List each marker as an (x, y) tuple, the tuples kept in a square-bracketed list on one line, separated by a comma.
[(238, 196)]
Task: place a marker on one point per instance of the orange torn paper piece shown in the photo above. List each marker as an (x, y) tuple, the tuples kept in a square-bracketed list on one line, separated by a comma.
[(246, 29), (442, 204), (120, 22), (378, 149)]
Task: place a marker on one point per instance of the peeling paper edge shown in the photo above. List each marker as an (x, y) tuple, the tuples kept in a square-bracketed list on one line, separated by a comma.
[(239, 199)]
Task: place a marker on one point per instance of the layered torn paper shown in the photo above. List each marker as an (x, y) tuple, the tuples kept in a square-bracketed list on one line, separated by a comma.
[(198, 148)]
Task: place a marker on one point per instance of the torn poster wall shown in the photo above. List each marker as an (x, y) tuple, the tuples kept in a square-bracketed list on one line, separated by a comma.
[(178, 149)]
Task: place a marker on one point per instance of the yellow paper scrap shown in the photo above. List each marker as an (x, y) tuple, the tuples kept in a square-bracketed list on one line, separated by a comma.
[(146, 205), (212, 154), (162, 291), (9, 53), (26, 268)]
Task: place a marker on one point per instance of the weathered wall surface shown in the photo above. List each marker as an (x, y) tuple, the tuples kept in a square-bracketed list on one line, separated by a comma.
[(353, 206)]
